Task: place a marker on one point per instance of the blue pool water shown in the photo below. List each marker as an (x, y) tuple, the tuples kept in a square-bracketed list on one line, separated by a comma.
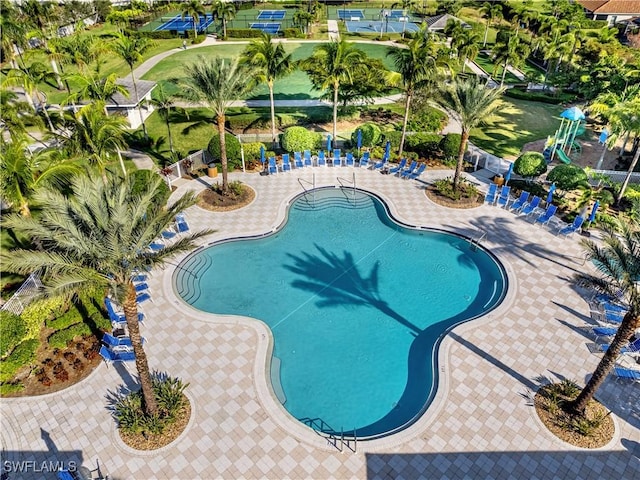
[(357, 305)]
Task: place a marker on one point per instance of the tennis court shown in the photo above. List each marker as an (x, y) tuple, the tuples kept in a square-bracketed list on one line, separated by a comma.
[(377, 26), (270, 28), (271, 15), (350, 14), (182, 24)]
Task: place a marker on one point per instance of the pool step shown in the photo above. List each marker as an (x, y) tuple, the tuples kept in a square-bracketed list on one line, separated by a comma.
[(187, 277), (324, 199)]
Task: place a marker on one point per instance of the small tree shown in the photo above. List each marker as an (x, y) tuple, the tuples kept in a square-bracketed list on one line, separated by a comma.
[(530, 164), (297, 139), (568, 177), (371, 135)]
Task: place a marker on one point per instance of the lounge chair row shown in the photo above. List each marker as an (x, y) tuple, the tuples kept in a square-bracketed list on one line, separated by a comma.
[(529, 207), (179, 226), (305, 159)]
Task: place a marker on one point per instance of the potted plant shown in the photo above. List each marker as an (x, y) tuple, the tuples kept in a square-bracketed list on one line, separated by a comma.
[(187, 163)]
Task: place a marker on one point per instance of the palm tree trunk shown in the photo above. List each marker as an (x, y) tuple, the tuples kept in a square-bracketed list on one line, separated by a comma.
[(464, 139), (486, 33), (628, 176), (335, 111), (130, 307), (629, 325), (405, 122), (223, 152), (135, 92), (504, 74), (169, 136), (273, 112), (224, 27), (124, 170), (54, 67), (624, 143)]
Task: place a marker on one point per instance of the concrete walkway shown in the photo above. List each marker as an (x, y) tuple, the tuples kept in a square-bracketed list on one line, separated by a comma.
[(334, 33)]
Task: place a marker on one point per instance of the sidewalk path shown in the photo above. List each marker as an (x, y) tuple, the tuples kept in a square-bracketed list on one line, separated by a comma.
[(334, 33)]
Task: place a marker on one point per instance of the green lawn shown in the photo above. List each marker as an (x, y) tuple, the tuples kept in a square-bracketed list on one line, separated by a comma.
[(486, 63), (296, 85), (521, 122)]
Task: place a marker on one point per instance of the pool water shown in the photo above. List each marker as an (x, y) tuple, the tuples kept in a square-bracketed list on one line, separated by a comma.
[(357, 305)]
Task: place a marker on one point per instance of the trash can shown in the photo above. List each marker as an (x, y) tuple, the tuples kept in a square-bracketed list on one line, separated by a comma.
[(212, 170)]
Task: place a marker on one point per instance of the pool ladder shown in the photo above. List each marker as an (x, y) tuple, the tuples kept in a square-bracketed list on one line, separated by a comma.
[(342, 181), (475, 242), (313, 187)]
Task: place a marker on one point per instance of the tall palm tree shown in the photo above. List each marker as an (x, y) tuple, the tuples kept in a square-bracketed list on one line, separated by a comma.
[(22, 173), (13, 38), (30, 78), (617, 258), (492, 12), (92, 86), (16, 115), (130, 49), (415, 64), (224, 11), (468, 46), (331, 64), (95, 135), (218, 82), (470, 103), (625, 118), (510, 53), (193, 9), (98, 237), (302, 18), (164, 103), (270, 62)]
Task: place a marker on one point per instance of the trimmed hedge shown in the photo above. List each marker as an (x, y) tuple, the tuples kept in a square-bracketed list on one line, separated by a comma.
[(234, 159), (159, 34), (23, 354), (568, 177), (371, 135), (60, 338), (540, 97), (297, 139), (426, 145), (394, 137), (450, 145), (243, 33), (530, 164), (12, 331)]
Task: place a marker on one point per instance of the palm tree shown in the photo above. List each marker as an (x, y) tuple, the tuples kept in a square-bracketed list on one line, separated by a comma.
[(13, 38), (491, 12), (302, 18), (16, 115), (331, 64), (625, 118), (218, 82), (470, 103), (270, 62), (95, 135), (618, 261), (29, 79), (467, 46), (98, 238), (163, 103), (193, 9), (224, 11), (415, 64), (22, 173), (130, 49), (513, 53), (94, 87)]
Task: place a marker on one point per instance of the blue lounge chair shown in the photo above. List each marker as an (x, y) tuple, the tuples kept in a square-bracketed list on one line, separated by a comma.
[(399, 167), (490, 197), (570, 229), (337, 161), (364, 160), (141, 287), (350, 161), (143, 297), (273, 166), (604, 332), (381, 163), (416, 173), (307, 158), (517, 204), (111, 356), (168, 234), (156, 246), (631, 347), (118, 344), (286, 165), (408, 171), (139, 277), (624, 373), (504, 197), (181, 223), (545, 218), (297, 160), (322, 161), (118, 317), (529, 207)]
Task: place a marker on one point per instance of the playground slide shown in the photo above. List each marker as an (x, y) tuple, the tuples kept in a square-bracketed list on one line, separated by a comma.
[(562, 156)]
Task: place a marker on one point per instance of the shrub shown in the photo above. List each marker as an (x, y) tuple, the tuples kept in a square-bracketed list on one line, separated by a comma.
[(466, 189), (23, 354), (37, 312), (243, 33), (371, 135), (450, 145), (9, 388), (394, 137), (292, 33), (297, 139), (12, 331), (60, 338), (169, 393), (252, 153), (140, 178), (530, 164), (159, 34), (427, 119), (426, 145), (233, 150), (540, 97), (568, 177)]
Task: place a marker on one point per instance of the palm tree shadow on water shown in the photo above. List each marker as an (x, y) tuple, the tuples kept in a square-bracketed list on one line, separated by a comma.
[(337, 281)]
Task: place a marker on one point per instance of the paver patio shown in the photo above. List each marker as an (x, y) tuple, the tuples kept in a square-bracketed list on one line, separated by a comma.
[(480, 424)]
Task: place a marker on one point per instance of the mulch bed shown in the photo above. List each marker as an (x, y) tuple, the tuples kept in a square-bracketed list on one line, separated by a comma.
[(139, 442), (215, 202), (557, 420), (433, 195)]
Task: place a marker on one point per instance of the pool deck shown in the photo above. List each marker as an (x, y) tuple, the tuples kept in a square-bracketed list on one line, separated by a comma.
[(480, 425)]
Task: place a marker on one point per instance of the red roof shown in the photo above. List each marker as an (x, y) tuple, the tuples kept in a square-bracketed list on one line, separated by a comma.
[(611, 7)]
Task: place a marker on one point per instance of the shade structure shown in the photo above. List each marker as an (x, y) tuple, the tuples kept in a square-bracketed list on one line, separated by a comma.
[(359, 138), (387, 150), (507, 177), (594, 210), (329, 142), (573, 114), (552, 189), (262, 157)]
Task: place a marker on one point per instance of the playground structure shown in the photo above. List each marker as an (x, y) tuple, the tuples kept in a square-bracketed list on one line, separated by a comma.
[(564, 142)]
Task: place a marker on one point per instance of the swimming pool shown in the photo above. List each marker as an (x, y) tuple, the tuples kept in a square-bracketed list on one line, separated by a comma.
[(357, 304)]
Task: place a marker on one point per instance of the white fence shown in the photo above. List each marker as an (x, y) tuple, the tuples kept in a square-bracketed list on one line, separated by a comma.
[(481, 159), (195, 161), (616, 176), (27, 292)]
